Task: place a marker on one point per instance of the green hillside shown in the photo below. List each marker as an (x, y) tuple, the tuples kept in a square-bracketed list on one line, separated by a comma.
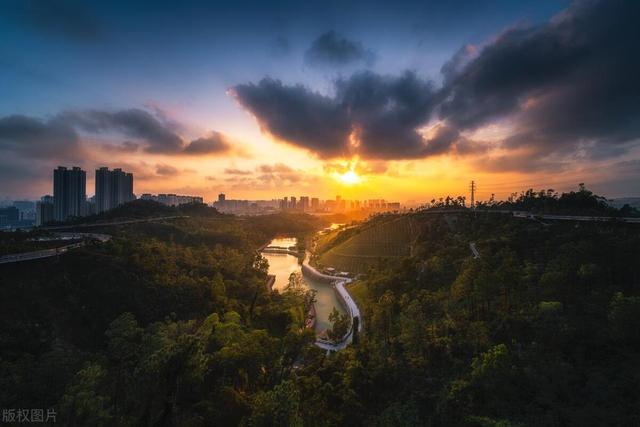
[(356, 250)]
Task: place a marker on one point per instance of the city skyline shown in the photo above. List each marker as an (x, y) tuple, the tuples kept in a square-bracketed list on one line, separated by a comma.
[(390, 103)]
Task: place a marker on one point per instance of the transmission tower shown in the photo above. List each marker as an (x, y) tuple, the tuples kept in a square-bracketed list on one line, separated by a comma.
[(473, 194)]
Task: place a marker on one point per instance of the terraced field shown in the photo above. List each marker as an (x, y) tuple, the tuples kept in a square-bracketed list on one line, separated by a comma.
[(367, 246)]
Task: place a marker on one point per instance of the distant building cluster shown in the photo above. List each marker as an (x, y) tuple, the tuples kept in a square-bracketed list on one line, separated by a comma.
[(302, 204), (172, 199), (244, 207), (315, 205), (21, 212), (115, 187)]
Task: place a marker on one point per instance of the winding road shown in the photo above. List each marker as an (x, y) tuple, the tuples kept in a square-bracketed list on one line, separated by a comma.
[(46, 253)]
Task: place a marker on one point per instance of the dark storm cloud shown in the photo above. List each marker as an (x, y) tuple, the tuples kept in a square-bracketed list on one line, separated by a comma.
[(567, 87), (134, 123), (567, 83), (386, 112), (33, 138), (442, 140), (297, 114), (334, 50), (373, 115), (59, 137), (71, 19), (156, 130), (215, 142)]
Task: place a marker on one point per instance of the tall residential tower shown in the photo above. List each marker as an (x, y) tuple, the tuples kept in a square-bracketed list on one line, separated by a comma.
[(113, 188), (69, 192)]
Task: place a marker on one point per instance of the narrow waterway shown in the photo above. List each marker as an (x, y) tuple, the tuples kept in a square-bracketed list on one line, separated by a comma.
[(282, 265)]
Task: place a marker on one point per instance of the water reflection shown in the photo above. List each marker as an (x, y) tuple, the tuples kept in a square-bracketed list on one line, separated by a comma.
[(282, 265)]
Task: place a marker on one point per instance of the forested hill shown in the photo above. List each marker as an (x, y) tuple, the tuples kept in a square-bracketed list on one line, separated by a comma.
[(581, 202), (170, 324), (141, 209), (542, 329)]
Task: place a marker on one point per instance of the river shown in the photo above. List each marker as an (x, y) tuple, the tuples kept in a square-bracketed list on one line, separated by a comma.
[(282, 265)]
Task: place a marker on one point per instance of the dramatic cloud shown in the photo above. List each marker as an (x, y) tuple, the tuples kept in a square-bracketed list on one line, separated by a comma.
[(215, 142), (334, 50), (385, 113), (61, 135), (569, 85), (297, 115), (568, 88), (33, 138), (371, 115), (134, 123)]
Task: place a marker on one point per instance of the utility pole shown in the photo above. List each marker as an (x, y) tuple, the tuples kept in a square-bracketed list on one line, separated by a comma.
[(473, 195)]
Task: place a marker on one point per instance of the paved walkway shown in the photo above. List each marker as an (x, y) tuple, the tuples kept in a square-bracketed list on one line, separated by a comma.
[(352, 309), (474, 250)]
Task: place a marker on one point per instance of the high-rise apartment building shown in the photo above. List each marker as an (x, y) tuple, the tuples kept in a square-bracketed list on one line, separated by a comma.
[(69, 192), (103, 189), (315, 203), (44, 210), (113, 188), (304, 203)]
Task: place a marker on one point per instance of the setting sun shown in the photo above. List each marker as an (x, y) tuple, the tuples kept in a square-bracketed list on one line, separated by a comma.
[(349, 178)]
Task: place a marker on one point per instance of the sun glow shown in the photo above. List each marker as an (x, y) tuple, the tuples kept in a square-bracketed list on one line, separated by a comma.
[(349, 178)]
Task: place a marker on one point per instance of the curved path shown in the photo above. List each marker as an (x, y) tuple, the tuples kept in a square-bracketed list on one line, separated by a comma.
[(354, 313), (46, 253)]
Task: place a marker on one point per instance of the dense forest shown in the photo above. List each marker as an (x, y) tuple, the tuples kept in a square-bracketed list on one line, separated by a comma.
[(170, 324)]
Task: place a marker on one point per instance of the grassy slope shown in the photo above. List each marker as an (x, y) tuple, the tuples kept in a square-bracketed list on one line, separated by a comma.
[(382, 239)]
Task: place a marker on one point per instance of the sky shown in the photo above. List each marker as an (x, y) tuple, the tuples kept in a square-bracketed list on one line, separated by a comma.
[(405, 101)]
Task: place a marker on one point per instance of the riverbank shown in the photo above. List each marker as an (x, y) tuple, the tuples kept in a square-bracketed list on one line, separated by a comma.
[(331, 291), (338, 284)]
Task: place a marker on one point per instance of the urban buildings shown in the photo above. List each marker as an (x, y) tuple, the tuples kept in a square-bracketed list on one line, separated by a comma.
[(113, 188), (69, 192), (246, 207), (26, 208), (9, 216), (44, 210), (302, 204)]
